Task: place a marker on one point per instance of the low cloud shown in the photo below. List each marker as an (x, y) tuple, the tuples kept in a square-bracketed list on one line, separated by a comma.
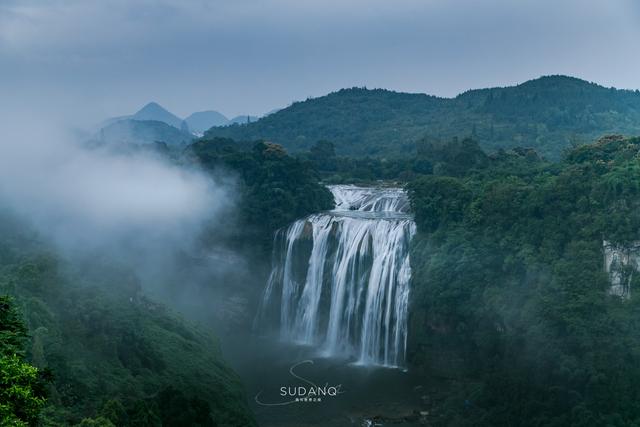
[(97, 198)]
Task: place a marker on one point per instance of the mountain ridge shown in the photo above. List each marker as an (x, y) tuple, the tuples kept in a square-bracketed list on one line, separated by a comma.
[(197, 122), (549, 114)]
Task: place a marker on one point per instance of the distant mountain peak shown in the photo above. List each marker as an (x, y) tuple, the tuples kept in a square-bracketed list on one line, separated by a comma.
[(153, 104), (197, 122), (154, 111), (153, 107)]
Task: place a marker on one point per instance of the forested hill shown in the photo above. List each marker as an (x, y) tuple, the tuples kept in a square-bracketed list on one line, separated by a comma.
[(548, 114), (112, 356), (509, 296)]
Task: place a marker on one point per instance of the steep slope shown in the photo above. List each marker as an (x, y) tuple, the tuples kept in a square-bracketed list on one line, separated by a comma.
[(113, 352), (549, 114)]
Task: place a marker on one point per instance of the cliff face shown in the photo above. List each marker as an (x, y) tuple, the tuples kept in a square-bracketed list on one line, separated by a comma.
[(621, 262)]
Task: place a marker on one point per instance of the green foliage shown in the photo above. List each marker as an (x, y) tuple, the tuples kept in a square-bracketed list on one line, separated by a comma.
[(20, 404), (509, 293), (13, 332), (323, 156), (438, 200), (178, 410), (334, 169), (454, 157), (21, 390), (275, 188), (434, 156), (548, 114), (114, 411), (113, 352), (96, 422)]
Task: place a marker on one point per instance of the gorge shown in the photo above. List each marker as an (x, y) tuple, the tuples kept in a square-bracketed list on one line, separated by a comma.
[(325, 214)]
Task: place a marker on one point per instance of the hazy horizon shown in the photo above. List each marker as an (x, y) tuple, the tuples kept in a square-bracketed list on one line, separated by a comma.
[(102, 60), (373, 88)]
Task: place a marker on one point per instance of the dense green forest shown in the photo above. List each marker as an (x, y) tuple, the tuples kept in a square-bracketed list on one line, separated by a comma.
[(510, 299), (22, 385), (112, 356), (279, 213), (116, 357), (275, 188), (548, 114), (509, 304), (433, 156)]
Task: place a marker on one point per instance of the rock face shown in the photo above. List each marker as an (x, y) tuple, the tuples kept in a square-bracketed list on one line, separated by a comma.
[(621, 263)]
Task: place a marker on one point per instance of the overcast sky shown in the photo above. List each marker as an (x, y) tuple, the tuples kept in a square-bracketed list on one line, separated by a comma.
[(107, 58)]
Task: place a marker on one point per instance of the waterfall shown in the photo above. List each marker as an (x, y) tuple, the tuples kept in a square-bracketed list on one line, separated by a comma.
[(370, 199), (340, 279)]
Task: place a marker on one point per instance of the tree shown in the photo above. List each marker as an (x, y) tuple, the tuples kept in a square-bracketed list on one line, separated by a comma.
[(438, 200), (275, 189), (452, 157), (323, 155), (96, 422), (13, 332), (21, 393), (510, 290)]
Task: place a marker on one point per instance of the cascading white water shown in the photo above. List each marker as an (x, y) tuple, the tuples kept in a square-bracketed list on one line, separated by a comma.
[(340, 279), (370, 199)]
